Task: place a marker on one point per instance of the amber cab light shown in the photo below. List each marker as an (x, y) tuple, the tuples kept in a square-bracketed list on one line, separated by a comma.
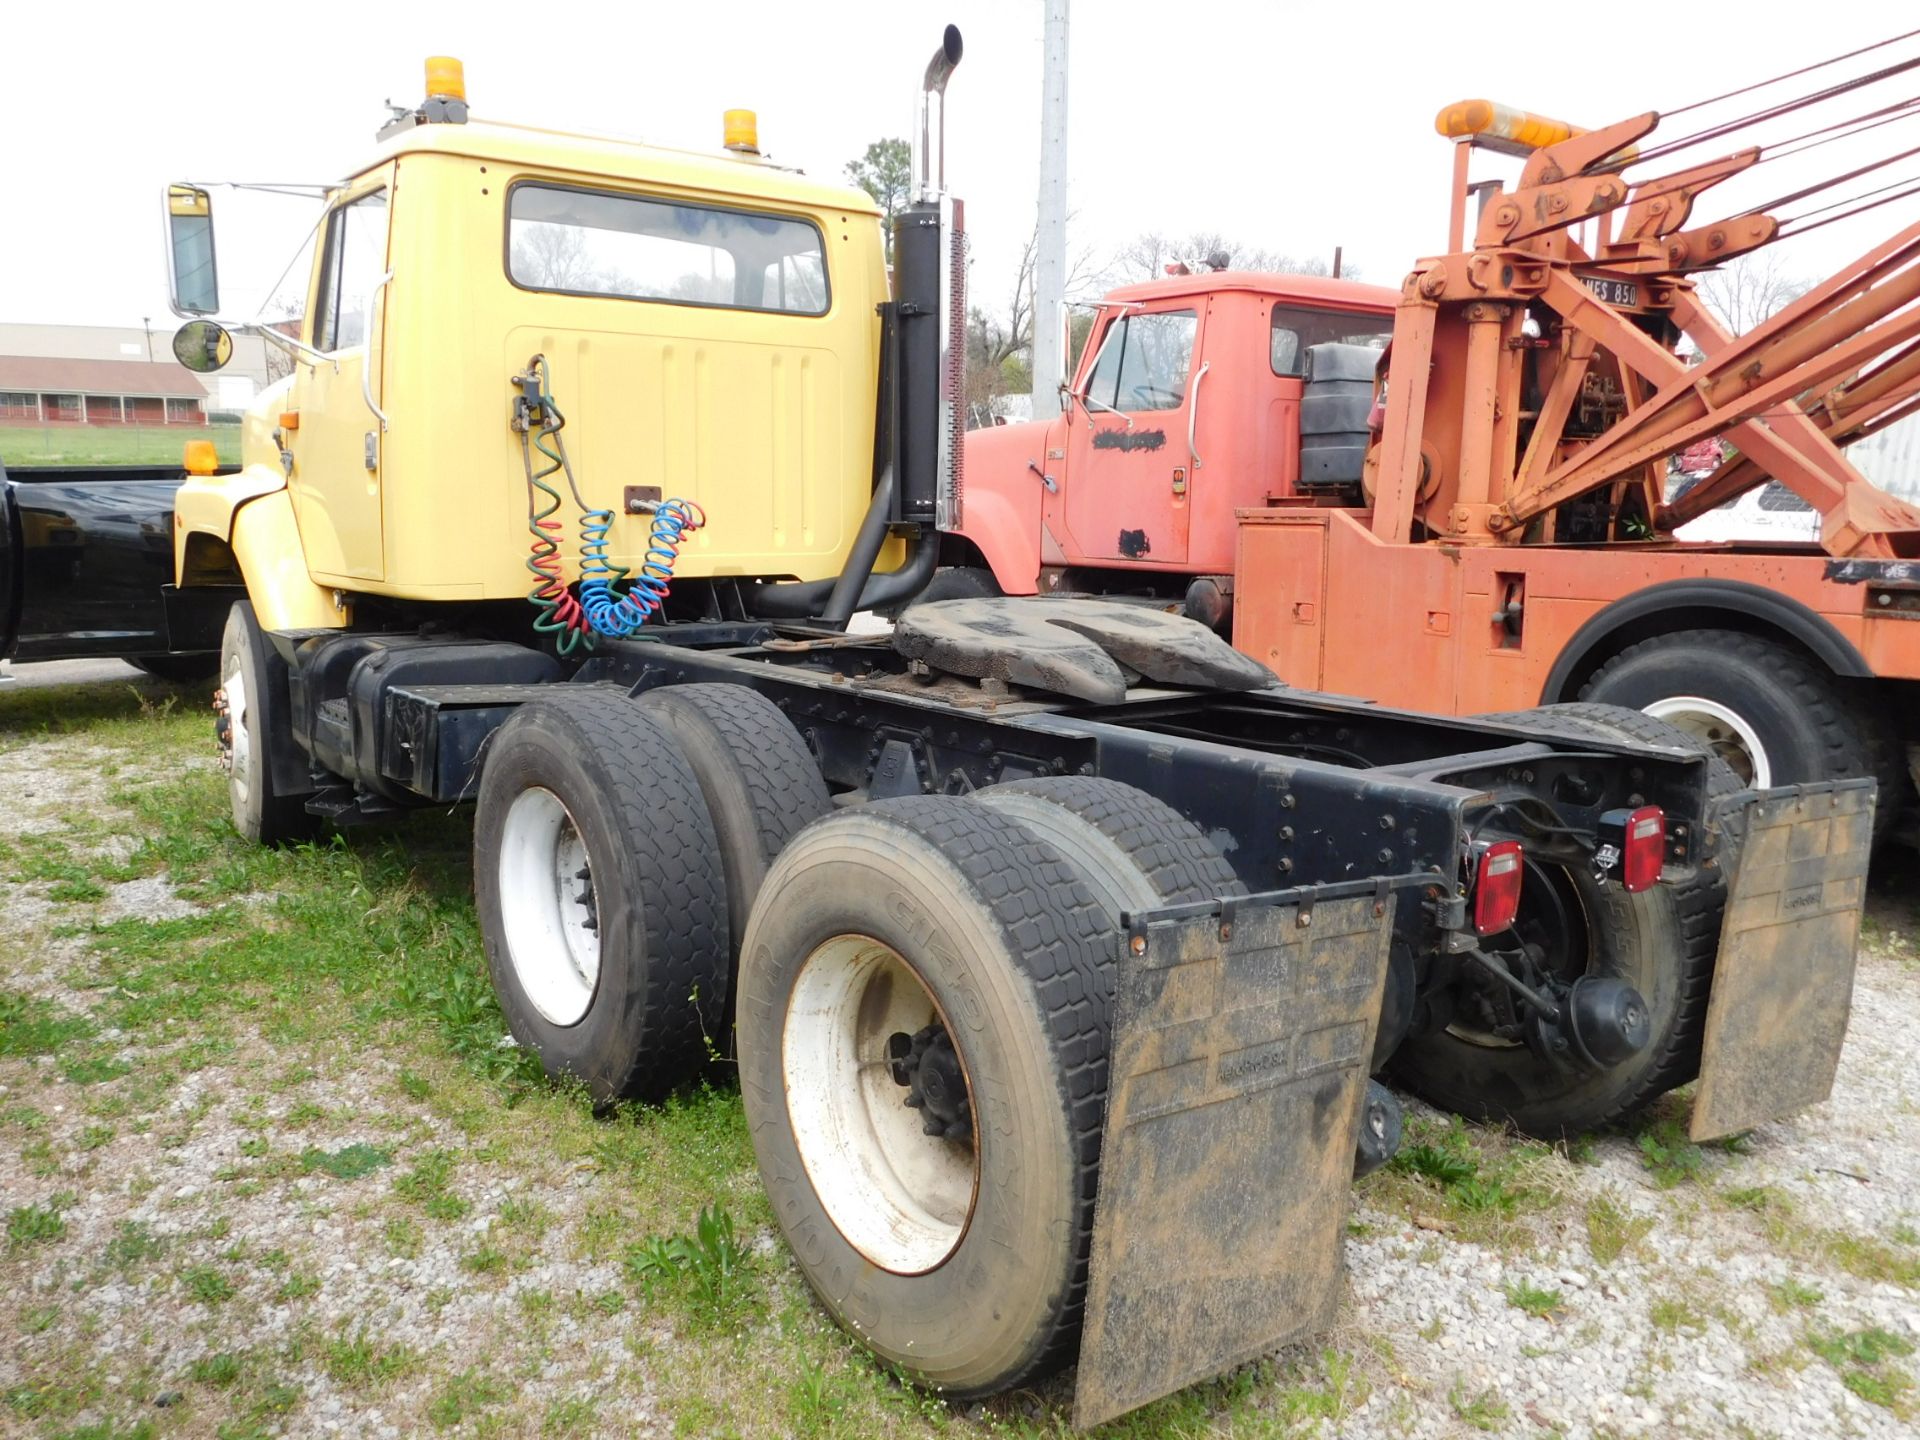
[(1496, 887), (1644, 849), (200, 458)]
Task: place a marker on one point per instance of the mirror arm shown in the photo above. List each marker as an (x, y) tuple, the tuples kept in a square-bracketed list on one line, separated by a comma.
[(299, 349)]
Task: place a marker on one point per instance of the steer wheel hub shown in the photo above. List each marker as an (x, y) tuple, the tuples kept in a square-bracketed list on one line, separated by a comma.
[(223, 728), (929, 1067)]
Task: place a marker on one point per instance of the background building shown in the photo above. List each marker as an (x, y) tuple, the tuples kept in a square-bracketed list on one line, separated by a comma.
[(117, 375)]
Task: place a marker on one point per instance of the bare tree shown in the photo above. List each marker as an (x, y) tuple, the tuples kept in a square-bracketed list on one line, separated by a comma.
[(553, 257), (1000, 343), (1147, 257), (1750, 288)]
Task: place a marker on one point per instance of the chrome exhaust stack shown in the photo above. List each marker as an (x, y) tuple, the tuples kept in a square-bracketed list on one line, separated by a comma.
[(930, 141)]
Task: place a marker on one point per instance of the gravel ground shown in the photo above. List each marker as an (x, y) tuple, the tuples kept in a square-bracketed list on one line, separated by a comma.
[(225, 1265)]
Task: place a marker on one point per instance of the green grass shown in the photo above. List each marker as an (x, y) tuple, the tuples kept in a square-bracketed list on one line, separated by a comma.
[(340, 1024), (349, 1162), (1540, 1303), (112, 445), (708, 1270), (34, 1225), (1863, 1359)]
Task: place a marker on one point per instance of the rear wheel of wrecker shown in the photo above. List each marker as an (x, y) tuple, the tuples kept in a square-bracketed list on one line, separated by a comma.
[(250, 711), (601, 898), (923, 1026), (1770, 711), (1661, 942)]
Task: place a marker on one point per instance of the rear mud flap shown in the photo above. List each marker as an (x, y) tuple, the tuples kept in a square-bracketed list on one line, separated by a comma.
[(1238, 1069), (1783, 983)]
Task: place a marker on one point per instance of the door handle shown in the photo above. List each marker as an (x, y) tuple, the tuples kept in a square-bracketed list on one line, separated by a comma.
[(366, 361), (1193, 411)]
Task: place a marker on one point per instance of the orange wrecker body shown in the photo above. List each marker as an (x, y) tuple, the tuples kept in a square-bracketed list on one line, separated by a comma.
[(1476, 517)]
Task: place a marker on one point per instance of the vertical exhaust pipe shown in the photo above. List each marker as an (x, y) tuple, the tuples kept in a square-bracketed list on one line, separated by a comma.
[(930, 167), (917, 472)]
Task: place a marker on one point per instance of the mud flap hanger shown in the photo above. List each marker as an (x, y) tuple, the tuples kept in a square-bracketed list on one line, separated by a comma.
[(1242, 1035)]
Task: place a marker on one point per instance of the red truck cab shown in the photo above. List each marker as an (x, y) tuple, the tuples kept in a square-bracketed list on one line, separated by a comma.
[(1184, 407)]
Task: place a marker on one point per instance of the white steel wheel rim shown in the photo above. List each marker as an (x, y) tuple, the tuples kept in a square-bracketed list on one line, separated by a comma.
[(1724, 731), (239, 742), (900, 1197), (547, 914)]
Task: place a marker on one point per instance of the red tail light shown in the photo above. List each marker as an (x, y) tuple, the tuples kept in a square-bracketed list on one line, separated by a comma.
[(1644, 849), (1496, 887)]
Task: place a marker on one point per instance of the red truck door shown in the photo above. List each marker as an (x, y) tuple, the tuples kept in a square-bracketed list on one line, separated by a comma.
[(1129, 457)]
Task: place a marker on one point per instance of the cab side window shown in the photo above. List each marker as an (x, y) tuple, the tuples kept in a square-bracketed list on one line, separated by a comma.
[(356, 258), (1295, 329), (1144, 361)]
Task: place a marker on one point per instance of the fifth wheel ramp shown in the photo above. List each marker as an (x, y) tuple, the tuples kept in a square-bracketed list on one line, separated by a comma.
[(1783, 982), (1238, 1071)]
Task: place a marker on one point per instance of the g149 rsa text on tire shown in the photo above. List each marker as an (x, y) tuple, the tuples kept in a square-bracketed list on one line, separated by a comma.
[(961, 1258), (599, 888)]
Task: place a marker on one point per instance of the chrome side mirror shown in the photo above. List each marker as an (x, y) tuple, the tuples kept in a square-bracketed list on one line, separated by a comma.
[(202, 346), (193, 283)]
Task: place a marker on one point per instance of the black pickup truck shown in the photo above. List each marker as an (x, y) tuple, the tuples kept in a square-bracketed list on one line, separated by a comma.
[(86, 569)]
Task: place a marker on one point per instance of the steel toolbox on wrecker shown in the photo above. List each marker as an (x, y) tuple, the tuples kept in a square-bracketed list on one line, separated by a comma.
[(1047, 932)]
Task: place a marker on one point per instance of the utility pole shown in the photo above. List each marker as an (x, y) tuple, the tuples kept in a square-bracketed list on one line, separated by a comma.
[(1050, 237)]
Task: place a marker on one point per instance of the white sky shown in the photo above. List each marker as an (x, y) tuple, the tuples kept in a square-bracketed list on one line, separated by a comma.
[(1294, 127)]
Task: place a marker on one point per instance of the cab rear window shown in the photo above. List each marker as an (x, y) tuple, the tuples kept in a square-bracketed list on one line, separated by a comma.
[(1295, 328), (631, 247)]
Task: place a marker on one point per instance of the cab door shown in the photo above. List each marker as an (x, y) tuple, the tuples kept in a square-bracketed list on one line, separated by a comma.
[(1130, 439), (336, 443)]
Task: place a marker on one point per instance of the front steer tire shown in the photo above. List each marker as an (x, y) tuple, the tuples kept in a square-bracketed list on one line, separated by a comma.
[(957, 913), (585, 779), (256, 711)]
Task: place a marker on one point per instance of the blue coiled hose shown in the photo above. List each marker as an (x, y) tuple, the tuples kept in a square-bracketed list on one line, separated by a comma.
[(601, 610), (616, 616)]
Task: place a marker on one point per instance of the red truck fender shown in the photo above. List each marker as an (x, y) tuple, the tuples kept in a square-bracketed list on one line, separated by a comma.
[(1005, 470)]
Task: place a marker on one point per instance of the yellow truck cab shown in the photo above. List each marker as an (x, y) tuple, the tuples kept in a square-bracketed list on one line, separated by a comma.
[(710, 326)]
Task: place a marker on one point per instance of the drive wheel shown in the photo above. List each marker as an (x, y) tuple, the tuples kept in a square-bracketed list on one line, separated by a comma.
[(1662, 942), (761, 783), (249, 710), (1479, 1067), (1135, 851), (602, 906), (959, 582), (923, 1026)]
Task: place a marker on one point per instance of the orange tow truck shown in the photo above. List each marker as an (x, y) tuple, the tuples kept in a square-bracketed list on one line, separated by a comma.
[(1453, 495)]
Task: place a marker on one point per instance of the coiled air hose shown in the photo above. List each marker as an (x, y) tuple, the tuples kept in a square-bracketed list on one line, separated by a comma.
[(599, 609)]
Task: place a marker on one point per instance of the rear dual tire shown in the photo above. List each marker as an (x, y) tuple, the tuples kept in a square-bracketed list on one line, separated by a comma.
[(601, 896), (993, 917)]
